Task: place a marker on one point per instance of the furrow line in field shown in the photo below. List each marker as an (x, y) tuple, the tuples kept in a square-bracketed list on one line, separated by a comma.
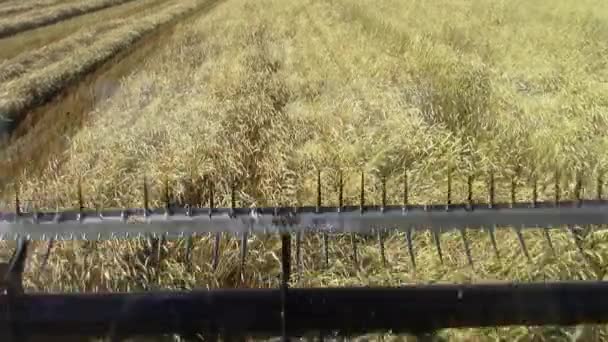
[(47, 16)]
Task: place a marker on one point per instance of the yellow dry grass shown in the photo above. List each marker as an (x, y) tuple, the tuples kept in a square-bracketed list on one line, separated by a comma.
[(45, 16), (37, 38), (514, 87)]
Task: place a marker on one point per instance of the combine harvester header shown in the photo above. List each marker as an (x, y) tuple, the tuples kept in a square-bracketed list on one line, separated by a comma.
[(287, 311)]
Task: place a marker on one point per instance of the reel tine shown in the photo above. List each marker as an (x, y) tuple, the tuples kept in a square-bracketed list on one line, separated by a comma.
[(146, 197), (491, 197), (493, 240), (410, 247), (189, 243), (518, 232), (216, 251), (167, 199), (218, 236), (298, 247), (244, 239), (353, 241), (298, 253), (381, 243), (491, 190), (17, 202), (534, 205), (522, 243), (470, 192), (578, 189), (449, 190), (578, 239), (381, 231), (408, 233), (437, 239), (557, 187), (600, 186), (47, 254), (549, 242), (80, 200), (436, 234), (467, 249), (361, 211), (463, 231), (324, 235)]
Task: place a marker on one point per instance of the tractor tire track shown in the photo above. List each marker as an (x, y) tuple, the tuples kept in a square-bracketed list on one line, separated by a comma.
[(45, 129)]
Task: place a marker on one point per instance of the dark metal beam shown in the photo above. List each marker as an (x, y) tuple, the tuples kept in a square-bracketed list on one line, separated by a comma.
[(347, 310)]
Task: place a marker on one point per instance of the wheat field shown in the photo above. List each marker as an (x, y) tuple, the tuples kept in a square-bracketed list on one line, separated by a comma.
[(271, 91)]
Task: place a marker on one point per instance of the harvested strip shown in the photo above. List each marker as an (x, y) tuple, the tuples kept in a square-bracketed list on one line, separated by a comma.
[(34, 39), (19, 7), (46, 16), (55, 52), (25, 92)]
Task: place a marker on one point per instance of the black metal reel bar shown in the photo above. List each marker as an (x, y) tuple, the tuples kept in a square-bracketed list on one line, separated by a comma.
[(344, 310), (267, 311)]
